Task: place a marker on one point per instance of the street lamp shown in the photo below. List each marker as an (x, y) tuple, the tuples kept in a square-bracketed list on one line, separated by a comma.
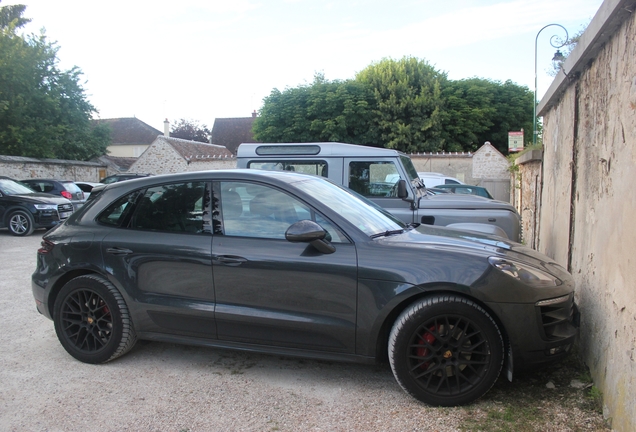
[(557, 57)]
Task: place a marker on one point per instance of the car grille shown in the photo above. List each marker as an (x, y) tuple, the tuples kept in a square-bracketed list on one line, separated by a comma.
[(65, 208), (556, 315)]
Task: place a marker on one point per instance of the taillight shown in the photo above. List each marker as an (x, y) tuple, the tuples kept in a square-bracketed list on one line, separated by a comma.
[(67, 194), (46, 247)]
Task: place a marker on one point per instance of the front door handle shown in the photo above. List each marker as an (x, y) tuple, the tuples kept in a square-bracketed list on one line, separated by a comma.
[(118, 251), (229, 260)]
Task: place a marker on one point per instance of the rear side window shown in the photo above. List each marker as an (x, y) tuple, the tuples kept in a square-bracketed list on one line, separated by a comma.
[(116, 213), (179, 207), (71, 187)]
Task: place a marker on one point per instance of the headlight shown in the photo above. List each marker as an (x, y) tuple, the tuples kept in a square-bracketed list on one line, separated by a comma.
[(524, 272), (46, 206)]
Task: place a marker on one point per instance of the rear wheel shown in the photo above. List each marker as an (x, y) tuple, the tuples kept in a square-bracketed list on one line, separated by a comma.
[(21, 223), (92, 320), (446, 350)]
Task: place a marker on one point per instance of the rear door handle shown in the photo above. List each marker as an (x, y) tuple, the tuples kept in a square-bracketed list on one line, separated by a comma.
[(118, 251), (230, 260)]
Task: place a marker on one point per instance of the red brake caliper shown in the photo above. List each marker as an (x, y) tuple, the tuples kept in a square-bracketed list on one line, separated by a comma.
[(428, 338)]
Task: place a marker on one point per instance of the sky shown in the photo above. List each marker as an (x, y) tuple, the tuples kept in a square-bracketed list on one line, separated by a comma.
[(207, 59)]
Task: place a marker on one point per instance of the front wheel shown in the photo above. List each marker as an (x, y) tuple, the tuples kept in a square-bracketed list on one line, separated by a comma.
[(92, 320), (445, 350), (21, 223)]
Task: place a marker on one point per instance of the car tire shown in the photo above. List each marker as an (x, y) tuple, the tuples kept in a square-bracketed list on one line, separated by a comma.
[(20, 223), (445, 350), (92, 320)]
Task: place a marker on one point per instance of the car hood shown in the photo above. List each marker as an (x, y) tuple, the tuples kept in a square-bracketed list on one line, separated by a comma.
[(41, 198), (455, 201), (473, 243)]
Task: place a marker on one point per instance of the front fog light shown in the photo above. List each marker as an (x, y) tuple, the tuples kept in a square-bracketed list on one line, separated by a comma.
[(524, 272)]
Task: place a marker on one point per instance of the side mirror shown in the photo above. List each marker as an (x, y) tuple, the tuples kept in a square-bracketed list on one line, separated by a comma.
[(401, 189), (306, 231)]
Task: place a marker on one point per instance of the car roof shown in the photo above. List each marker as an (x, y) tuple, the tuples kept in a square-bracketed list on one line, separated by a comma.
[(228, 174), (317, 149)]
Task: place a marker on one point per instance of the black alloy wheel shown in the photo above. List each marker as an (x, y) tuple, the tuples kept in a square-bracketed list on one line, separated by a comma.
[(92, 320), (21, 223), (446, 350)]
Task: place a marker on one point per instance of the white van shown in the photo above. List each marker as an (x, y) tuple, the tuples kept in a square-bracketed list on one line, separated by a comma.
[(432, 179)]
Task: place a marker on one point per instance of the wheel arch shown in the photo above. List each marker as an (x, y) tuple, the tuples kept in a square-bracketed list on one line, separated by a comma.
[(63, 280), (9, 210), (381, 349)]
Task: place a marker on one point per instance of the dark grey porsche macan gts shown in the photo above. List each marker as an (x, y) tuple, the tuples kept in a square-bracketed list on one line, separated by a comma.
[(284, 263)]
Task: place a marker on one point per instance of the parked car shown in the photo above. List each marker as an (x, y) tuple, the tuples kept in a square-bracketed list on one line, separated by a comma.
[(86, 187), (432, 179), (466, 189), (121, 177), (64, 188), (22, 210), (292, 264)]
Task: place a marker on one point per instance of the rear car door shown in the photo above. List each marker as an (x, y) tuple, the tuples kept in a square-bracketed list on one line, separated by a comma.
[(274, 292), (162, 250)]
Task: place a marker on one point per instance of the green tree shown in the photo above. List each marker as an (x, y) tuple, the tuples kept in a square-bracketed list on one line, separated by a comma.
[(477, 110), (322, 111), (404, 104), (191, 130), (513, 111), (12, 15), (43, 109), (407, 109), (468, 112)]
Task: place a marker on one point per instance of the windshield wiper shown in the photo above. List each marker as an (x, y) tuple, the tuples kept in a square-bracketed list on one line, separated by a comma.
[(387, 233)]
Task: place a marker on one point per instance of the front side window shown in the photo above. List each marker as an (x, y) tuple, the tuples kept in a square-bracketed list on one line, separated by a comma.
[(258, 211), (374, 179)]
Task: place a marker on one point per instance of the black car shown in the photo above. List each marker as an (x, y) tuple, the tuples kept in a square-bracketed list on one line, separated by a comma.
[(22, 210), (64, 188), (121, 177), (290, 264)]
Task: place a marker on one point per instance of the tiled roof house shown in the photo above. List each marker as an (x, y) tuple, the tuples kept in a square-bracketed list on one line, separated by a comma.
[(130, 137), (172, 155), (231, 132)]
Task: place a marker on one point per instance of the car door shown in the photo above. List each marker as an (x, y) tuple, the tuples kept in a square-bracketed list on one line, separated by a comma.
[(376, 179), (274, 292), (162, 253)]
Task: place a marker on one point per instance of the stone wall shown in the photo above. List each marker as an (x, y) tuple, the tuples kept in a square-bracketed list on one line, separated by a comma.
[(20, 168), (526, 196), (486, 167), (588, 209), (458, 165)]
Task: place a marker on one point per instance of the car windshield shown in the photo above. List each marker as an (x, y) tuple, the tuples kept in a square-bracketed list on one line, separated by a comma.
[(359, 212), (9, 187)]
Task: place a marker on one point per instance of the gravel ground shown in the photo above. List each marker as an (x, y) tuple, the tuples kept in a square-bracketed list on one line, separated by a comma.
[(167, 387)]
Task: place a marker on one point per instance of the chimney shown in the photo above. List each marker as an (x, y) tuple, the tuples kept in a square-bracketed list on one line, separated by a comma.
[(254, 113), (166, 128)]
